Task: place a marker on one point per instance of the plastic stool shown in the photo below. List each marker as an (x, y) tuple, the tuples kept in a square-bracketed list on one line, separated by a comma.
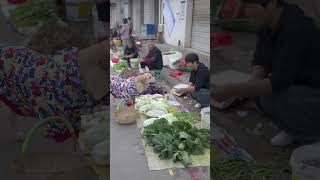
[(158, 74)]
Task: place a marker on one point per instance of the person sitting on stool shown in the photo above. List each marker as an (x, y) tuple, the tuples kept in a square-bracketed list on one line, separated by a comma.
[(154, 58)]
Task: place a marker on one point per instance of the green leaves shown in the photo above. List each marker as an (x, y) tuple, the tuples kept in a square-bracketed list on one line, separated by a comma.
[(232, 169), (191, 117), (32, 12), (176, 141)]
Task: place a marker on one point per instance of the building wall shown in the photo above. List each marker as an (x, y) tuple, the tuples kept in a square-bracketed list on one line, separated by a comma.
[(136, 16), (113, 15), (181, 27)]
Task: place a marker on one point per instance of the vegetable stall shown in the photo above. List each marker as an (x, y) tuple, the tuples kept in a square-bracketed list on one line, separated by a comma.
[(172, 137)]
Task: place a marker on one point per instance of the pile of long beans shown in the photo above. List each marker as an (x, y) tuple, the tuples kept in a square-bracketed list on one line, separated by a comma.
[(232, 169), (33, 12)]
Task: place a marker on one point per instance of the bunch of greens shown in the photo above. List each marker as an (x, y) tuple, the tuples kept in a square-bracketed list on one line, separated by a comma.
[(232, 169), (191, 117), (119, 66), (177, 141), (33, 12)]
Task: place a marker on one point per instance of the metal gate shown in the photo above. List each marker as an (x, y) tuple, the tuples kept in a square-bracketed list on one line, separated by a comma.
[(200, 38)]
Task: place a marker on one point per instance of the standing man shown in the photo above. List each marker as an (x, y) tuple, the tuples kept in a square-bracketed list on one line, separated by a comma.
[(154, 58), (103, 15), (199, 81), (130, 25), (125, 32), (285, 70)]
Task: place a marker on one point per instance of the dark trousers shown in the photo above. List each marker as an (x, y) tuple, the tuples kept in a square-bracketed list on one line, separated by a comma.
[(103, 11), (151, 66), (202, 97), (297, 111)]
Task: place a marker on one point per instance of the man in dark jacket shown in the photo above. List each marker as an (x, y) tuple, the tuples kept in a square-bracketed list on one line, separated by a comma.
[(154, 58), (285, 69), (199, 81)]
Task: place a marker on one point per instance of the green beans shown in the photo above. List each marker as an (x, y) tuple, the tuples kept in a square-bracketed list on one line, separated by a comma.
[(191, 117), (230, 169), (32, 12), (119, 66)]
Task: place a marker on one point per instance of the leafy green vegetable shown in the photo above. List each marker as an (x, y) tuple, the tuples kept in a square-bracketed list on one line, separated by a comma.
[(191, 117), (119, 66), (33, 12), (177, 140)]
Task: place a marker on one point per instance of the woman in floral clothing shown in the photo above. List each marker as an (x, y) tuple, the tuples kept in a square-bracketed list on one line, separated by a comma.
[(36, 85)]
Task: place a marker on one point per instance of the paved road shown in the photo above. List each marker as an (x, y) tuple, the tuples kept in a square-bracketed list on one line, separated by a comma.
[(128, 160)]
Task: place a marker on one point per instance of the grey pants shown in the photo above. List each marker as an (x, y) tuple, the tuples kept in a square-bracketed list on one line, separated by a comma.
[(296, 111), (202, 97)]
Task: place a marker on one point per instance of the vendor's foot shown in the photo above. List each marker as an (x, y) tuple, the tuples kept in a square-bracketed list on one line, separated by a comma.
[(282, 139), (198, 105)]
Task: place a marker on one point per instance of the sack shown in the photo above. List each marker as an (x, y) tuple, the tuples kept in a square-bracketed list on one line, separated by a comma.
[(95, 135)]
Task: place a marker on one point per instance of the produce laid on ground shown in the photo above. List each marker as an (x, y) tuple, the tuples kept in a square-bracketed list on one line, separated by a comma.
[(154, 90), (177, 140), (191, 117), (232, 169), (156, 112), (120, 54), (52, 37), (33, 12), (145, 102), (119, 66)]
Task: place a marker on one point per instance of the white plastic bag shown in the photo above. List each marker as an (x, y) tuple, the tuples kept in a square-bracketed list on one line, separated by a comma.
[(205, 118), (300, 169), (96, 134), (101, 153)]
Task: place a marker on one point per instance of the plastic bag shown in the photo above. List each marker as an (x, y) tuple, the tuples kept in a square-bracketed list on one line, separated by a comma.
[(87, 121), (101, 153), (96, 134), (301, 160)]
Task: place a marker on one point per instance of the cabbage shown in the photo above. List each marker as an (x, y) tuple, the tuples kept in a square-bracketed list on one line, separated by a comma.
[(144, 108), (169, 117), (101, 153)]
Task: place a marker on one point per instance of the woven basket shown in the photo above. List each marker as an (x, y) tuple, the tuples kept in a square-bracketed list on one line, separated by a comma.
[(129, 117), (125, 115)]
